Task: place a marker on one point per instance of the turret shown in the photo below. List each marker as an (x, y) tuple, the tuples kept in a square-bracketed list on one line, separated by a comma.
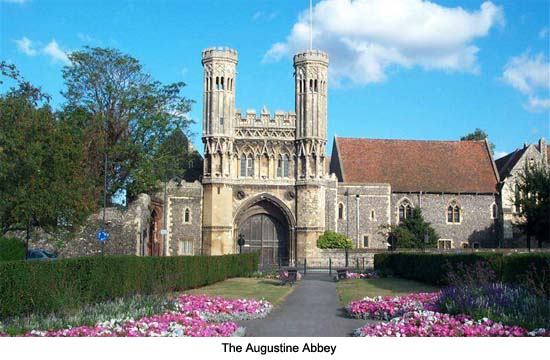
[(218, 109), (310, 72)]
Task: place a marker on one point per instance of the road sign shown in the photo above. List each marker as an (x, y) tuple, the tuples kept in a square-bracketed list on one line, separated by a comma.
[(102, 235)]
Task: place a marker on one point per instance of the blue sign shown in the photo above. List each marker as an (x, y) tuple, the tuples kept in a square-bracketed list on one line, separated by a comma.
[(102, 235)]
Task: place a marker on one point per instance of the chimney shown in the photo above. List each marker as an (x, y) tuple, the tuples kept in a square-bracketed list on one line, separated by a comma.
[(543, 150)]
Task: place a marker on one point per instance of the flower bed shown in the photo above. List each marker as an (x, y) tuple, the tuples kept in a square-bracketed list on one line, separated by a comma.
[(186, 315), (366, 275), (424, 323), (416, 315), (388, 307)]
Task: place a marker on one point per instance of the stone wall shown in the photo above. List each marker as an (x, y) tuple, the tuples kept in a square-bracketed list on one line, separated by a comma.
[(366, 209), (476, 226)]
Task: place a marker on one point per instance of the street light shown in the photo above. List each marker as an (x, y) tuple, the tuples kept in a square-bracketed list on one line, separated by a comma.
[(240, 242)]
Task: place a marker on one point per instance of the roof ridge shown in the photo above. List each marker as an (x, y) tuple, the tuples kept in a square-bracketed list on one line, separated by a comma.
[(412, 140)]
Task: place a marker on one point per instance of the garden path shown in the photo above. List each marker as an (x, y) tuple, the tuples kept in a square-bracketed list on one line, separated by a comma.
[(313, 309)]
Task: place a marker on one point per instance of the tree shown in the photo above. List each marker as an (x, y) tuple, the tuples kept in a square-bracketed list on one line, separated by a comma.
[(129, 115), (41, 163), (479, 134), (533, 184), (174, 158), (411, 231)]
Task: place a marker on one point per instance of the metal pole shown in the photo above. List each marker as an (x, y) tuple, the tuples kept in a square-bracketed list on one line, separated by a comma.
[(165, 228), (330, 266), (305, 265)]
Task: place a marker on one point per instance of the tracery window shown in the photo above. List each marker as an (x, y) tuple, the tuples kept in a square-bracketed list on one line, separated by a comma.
[(405, 210), (340, 211), (453, 213), (243, 165), (286, 165)]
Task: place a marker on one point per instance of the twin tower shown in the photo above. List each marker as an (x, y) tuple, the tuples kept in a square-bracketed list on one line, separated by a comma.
[(262, 163)]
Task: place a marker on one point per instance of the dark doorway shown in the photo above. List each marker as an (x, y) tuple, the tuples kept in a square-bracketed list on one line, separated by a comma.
[(266, 235)]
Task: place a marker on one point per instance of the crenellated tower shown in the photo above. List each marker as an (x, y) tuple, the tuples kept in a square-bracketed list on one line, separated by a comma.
[(310, 72), (219, 66), (218, 109)]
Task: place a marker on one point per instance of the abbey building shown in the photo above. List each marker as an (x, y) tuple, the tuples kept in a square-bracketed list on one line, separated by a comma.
[(268, 178)]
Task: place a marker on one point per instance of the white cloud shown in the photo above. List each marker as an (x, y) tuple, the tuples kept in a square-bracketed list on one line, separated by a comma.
[(55, 53), (263, 16), (25, 46), (366, 37), (530, 75), (499, 154)]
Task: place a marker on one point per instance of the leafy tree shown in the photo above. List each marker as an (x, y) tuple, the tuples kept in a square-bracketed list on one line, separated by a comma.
[(41, 163), (333, 240), (534, 202), (479, 134), (174, 158), (129, 115), (410, 232)]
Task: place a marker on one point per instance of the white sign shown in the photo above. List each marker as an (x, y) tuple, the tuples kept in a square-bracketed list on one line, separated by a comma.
[(163, 232)]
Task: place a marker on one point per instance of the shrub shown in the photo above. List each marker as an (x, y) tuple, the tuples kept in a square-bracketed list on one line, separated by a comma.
[(11, 249), (333, 240), (47, 286), (530, 270)]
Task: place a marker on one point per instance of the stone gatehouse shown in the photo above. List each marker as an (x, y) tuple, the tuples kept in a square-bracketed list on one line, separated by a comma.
[(268, 178)]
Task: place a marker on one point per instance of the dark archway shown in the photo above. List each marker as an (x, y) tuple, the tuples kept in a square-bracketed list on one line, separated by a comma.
[(154, 245), (268, 228)]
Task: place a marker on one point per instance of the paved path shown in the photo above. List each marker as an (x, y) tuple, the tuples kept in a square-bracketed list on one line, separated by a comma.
[(312, 309)]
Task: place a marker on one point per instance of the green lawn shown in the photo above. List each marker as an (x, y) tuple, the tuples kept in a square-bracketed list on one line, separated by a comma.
[(356, 289), (270, 290)]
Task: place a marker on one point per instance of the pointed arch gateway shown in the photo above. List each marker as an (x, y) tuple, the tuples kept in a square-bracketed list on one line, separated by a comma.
[(267, 225)]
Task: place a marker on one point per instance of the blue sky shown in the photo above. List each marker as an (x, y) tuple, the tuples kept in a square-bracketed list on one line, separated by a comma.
[(405, 69)]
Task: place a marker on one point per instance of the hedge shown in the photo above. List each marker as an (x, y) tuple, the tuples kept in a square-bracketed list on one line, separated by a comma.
[(432, 268), (47, 286), (11, 249)]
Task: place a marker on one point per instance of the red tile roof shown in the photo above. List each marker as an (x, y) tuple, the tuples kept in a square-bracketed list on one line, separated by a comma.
[(411, 165)]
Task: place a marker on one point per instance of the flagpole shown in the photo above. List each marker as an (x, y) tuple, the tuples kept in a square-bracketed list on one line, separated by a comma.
[(310, 25)]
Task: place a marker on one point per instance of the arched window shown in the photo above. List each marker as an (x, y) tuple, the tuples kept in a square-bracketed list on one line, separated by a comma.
[(453, 213), (286, 165), (217, 83), (222, 84), (310, 85), (279, 166), (243, 165), (315, 86), (187, 216), (405, 210), (494, 211), (340, 211)]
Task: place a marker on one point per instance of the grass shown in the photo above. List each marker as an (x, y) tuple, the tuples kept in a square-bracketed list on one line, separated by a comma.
[(357, 289), (236, 288)]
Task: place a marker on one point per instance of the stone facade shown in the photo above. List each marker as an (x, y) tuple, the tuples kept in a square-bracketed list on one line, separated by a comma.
[(266, 179), (509, 167)]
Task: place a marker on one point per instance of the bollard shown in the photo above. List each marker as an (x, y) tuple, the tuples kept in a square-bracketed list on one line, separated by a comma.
[(305, 265), (330, 266)]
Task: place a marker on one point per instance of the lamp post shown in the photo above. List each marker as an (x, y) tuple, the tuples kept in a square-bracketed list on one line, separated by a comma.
[(240, 242)]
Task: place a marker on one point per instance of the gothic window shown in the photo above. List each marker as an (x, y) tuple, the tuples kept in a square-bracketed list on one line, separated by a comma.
[(250, 166), (279, 166), (187, 216), (286, 166), (405, 210), (221, 125), (243, 165), (217, 83), (453, 213), (222, 84), (211, 85), (340, 211), (310, 85), (315, 86), (365, 241), (303, 166), (494, 211)]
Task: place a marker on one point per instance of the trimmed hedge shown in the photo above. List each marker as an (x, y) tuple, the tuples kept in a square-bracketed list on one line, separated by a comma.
[(46, 286), (11, 249), (432, 268)]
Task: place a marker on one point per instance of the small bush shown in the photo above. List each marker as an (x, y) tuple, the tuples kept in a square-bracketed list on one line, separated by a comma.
[(11, 249), (333, 240), (48, 286)]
